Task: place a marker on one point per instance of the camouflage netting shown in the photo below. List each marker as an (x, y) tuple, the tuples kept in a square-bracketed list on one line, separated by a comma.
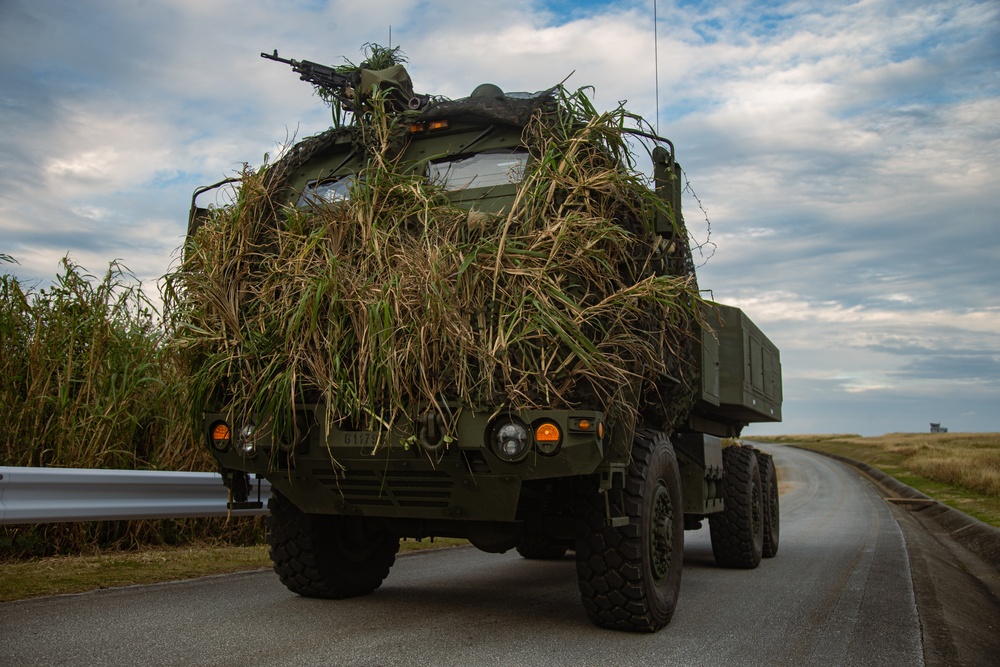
[(512, 109), (396, 301)]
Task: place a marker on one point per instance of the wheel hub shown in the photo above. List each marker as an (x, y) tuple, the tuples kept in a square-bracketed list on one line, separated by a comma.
[(661, 542)]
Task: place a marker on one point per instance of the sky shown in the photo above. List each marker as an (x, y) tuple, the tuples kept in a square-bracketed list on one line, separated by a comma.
[(846, 155)]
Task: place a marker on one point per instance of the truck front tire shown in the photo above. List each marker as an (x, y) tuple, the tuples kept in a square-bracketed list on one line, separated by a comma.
[(630, 576), (326, 556), (738, 530)]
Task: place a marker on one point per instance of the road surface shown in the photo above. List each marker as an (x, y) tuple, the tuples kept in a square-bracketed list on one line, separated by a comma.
[(839, 592)]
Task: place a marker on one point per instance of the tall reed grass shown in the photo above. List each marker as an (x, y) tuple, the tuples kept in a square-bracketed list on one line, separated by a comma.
[(86, 381)]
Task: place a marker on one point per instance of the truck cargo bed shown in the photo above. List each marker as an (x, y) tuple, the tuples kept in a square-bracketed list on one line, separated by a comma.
[(741, 373)]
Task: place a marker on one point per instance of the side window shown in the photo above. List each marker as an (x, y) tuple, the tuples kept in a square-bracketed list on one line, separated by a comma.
[(326, 191), (481, 170)]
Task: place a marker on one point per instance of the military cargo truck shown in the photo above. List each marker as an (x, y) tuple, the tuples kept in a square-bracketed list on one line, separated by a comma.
[(616, 486)]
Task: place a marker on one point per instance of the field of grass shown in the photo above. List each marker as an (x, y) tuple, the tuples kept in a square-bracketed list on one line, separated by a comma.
[(62, 575), (87, 381), (959, 469)]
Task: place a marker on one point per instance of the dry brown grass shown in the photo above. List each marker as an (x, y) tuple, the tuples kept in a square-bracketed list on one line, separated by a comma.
[(969, 460)]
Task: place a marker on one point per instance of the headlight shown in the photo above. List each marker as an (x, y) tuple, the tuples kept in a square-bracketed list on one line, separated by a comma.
[(247, 442), (511, 440), (246, 433)]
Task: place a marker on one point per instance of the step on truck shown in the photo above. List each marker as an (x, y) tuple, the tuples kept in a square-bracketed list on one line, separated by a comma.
[(617, 487)]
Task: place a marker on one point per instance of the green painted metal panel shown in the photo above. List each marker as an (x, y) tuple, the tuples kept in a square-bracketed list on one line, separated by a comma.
[(747, 368)]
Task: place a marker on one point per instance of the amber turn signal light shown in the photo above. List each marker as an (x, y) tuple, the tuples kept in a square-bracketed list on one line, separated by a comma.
[(547, 432), (548, 437), (221, 436)]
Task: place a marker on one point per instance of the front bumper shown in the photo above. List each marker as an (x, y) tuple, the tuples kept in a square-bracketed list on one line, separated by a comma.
[(391, 474)]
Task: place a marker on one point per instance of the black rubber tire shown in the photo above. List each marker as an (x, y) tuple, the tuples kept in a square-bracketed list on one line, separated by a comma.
[(738, 530), (541, 548), (324, 556), (772, 514), (630, 576)]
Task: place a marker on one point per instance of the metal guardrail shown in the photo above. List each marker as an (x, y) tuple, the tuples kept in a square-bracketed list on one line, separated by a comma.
[(48, 495)]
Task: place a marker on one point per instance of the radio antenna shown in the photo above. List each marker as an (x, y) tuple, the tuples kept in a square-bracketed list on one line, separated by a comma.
[(656, 67)]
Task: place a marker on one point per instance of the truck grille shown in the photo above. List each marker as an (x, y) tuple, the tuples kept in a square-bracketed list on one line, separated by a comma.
[(376, 488)]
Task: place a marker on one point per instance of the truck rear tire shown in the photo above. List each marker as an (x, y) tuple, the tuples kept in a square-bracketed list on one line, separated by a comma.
[(630, 576), (772, 516), (738, 530), (326, 556)]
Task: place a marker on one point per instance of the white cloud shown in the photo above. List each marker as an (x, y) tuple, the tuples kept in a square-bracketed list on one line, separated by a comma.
[(786, 306), (91, 212)]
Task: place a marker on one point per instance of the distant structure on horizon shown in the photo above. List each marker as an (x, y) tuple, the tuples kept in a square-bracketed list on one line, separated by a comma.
[(937, 428)]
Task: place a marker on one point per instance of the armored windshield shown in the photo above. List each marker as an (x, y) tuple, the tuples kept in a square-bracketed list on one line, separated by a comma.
[(325, 191), (481, 170)]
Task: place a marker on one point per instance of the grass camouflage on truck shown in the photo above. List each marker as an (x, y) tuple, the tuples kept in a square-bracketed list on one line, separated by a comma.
[(398, 300)]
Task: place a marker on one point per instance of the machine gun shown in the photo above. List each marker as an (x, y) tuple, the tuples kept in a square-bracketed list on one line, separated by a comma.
[(343, 87), (339, 86)]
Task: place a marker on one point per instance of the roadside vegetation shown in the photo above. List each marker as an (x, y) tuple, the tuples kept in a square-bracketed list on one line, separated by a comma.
[(87, 382), (959, 469), (84, 379)]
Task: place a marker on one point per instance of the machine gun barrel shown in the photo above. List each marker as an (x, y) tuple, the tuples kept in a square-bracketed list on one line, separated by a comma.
[(339, 85), (275, 57)]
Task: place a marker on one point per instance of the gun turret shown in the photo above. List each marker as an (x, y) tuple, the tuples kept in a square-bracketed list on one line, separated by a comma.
[(340, 86)]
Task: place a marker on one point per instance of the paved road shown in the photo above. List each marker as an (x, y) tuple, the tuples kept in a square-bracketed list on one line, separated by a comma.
[(838, 593)]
